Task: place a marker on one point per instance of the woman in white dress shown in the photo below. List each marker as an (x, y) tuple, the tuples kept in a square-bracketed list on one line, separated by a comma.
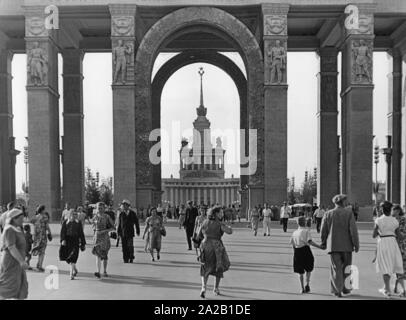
[(388, 256)]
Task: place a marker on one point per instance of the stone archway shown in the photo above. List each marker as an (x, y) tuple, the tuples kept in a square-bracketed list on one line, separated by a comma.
[(186, 58), (220, 23)]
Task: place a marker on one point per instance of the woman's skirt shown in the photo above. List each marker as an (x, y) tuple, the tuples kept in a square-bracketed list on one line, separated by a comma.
[(101, 245), (254, 223), (303, 260), (13, 279), (70, 252), (388, 257), (155, 239), (182, 218), (214, 259)]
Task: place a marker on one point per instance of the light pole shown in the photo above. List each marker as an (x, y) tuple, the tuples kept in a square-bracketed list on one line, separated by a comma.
[(376, 161), (388, 158), (26, 171)]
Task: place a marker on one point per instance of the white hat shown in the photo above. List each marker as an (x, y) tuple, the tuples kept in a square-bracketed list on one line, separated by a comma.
[(12, 214)]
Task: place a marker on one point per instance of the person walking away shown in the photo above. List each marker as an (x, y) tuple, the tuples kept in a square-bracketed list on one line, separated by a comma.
[(339, 235), (213, 259), (388, 256), (13, 277), (399, 214), (182, 216), (189, 223), (285, 214), (267, 215), (28, 243), (155, 229), (72, 239), (3, 216), (255, 220), (127, 220), (42, 234), (318, 216), (102, 225), (303, 259)]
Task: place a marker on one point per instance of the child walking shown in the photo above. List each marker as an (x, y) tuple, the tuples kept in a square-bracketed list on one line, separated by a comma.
[(303, 259), (28, 241)]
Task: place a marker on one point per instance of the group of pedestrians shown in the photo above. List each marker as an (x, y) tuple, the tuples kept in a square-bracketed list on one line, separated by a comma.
[(204, 227)]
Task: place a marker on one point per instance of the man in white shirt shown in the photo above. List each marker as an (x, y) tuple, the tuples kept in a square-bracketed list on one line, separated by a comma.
[(318, 215), (3, 217), (65, 213), (285, 214), (267, 214)]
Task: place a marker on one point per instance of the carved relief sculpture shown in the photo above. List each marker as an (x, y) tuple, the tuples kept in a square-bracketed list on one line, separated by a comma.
[(35, 27), (275, 25), (362, 62), (121, 58), (277, 59), (122, 26), (37, 62)]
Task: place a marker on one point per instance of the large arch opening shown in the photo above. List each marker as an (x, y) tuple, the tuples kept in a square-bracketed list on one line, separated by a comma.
[(237, 77), (227, 29)]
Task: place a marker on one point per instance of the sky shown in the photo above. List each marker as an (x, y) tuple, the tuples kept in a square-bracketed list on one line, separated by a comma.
[(180, 98)]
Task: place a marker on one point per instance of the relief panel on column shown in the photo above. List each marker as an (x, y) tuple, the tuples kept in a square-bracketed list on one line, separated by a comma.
[(361, 61), (276, 61), (37, 63), (123, 61)]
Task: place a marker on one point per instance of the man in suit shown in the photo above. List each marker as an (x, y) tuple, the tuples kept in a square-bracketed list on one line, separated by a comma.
[(126, 221), (189, 224), (339, 235)]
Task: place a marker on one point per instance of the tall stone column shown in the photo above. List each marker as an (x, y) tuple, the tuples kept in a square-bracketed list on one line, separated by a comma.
[(124, 46), (276, 101), (7, 169), (43, 113), (357, 99), (395, 123), (73, 143), (327, 148)]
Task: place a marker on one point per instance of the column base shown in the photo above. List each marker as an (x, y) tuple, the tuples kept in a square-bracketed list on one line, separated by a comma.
[(365, 214), (255, 196)]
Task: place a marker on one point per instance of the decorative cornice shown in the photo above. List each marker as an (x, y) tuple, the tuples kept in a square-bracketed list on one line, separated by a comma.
[(275, 8)]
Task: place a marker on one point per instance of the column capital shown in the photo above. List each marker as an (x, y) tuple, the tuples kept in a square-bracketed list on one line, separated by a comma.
[(123, 20), (275, 20), (35, 22)]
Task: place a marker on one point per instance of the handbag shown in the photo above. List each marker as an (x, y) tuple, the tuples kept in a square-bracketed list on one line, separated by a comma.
[(113, 235), (163, 231)]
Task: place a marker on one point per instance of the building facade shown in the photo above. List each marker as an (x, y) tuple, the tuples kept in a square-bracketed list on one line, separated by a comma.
[(202, 168), (136, 31)]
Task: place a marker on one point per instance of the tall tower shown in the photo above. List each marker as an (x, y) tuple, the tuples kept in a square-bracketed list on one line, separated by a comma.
[(202, 160)]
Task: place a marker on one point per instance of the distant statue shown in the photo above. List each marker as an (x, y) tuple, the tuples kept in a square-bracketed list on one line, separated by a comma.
[(362, 61), (37, 64), (277, 56), (120, 54), (218, 142)]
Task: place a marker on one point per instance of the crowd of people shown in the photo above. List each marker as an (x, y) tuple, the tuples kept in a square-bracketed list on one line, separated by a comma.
[(204, 228)]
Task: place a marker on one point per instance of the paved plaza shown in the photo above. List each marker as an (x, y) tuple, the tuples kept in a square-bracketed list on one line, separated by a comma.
[(261, 268)]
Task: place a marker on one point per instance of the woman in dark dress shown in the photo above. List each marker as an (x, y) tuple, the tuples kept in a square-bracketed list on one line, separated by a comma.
[(13, 279), (72, 238), (214, 259)]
